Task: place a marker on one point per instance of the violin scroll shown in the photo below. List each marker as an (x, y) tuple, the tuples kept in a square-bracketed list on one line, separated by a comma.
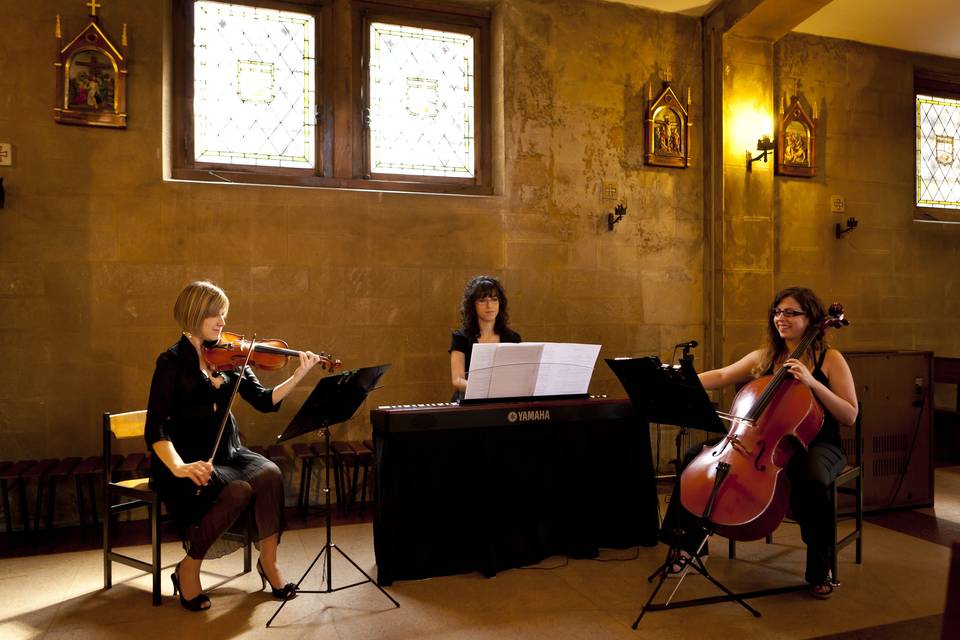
[(328, 362)]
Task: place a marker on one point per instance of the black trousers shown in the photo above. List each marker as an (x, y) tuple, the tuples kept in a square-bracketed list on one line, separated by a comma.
[(810, 472)]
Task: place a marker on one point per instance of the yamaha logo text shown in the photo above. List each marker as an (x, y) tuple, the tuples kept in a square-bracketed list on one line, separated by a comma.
[(539, 415)]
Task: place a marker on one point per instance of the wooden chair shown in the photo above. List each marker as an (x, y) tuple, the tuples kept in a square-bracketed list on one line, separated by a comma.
[(137, 493), (345, 466), (11, 479), (303, 452), (852, 473), (365, 454), (48, 479)]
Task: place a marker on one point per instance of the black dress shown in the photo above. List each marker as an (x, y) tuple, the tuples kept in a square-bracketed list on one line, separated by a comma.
[(459, 341), (187, 409)]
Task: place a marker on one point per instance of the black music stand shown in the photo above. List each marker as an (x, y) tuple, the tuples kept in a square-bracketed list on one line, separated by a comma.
[(674, 395), (334, 400)]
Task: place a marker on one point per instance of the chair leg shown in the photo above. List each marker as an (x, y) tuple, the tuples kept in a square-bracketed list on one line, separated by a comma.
[(93, 500), (23, 505), (51, 502), (81, 508), (39, 507), (107, 548), (732, 549), (247, 547), (353, 480), (155, 544), (363, 487), (834, 561), (338, 482), (7, 516), (306, 471), (859, 518), (303, 481)]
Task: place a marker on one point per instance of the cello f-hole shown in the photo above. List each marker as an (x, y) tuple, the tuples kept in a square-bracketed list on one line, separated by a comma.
[(756, 461)]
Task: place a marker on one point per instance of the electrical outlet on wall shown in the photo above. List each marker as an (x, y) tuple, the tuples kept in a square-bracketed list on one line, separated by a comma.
[(608, 191), (838, 204)]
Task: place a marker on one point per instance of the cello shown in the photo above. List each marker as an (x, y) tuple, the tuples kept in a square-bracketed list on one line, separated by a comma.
[(739, 485)]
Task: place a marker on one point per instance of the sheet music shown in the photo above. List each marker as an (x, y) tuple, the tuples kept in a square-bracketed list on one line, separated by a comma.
[(528, 369), (565, 368)]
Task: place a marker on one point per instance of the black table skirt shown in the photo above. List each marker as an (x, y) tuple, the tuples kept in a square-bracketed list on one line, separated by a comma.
[(487, 499)]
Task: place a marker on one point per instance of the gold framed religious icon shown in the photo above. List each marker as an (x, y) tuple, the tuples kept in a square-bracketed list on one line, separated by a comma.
[(796, 141), (91, 86), (667, 129)]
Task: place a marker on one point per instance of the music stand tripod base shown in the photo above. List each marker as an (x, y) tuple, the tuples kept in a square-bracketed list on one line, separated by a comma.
[(674, 395), (696, 562), (333, 400)]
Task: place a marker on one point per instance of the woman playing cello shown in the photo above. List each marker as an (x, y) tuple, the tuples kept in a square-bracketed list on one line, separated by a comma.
[(187, 399), (825, 372)]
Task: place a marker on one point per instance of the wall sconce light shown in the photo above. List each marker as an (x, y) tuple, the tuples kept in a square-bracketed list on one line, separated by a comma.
[(764, 144), (851, 225), (618, 212)]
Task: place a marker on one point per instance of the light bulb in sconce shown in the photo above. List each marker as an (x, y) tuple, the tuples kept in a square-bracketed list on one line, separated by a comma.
[(764, 145)]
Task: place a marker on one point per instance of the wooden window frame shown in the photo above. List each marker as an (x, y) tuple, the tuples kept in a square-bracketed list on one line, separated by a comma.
[(941, 84), (342, 137)]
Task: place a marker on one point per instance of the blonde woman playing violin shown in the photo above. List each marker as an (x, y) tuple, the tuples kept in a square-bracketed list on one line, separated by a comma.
[(188, 398)]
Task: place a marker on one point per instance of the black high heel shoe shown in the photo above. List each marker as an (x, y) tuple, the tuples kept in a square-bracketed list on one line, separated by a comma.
[(200, 603), (286, 592)]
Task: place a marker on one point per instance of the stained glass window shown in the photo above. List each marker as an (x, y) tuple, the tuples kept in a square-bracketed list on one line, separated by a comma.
[(422, 96), (254, 87), (938, 139)]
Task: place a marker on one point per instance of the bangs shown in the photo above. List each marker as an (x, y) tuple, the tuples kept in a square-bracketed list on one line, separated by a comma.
[(216, 306), (486, 289)]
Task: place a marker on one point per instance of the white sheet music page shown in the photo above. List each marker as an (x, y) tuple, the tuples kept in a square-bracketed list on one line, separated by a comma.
[(529, 369), (481, 371), (566, 369)]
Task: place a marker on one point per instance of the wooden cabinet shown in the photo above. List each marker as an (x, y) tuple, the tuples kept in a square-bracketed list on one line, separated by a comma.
[(895, 389)]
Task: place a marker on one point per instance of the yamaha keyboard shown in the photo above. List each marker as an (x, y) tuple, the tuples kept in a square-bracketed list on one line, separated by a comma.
[(426, 417)]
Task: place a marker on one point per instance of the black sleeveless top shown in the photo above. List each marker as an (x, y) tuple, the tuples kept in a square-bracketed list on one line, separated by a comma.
[(830, 431)]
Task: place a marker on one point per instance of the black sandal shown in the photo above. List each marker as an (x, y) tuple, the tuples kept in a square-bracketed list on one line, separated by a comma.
[(676, 569), (199, 603), (822, 590), (286, 592)]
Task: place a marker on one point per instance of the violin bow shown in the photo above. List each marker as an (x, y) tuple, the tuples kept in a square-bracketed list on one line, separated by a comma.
[(226, 414)]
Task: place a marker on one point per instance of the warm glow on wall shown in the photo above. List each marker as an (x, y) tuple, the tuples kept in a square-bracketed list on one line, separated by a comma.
[(749, 124)]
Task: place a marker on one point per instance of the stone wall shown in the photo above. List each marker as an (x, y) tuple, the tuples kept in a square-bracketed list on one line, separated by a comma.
[(95, 245), (899, 279)]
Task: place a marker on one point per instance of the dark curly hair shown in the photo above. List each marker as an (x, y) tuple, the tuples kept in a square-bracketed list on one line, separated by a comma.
[(482, 287), (775, 347)]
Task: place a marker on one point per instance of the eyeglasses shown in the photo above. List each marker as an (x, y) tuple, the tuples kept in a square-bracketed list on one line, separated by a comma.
[(787, 313)]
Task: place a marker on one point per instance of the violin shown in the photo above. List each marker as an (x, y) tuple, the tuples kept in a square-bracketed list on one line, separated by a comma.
[(231, 352), (740, 485)]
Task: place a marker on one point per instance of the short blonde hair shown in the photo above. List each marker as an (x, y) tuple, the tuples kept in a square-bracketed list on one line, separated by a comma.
[(199, 300)]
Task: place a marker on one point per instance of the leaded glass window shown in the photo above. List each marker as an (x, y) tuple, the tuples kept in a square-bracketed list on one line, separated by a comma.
[(421, 100), (254, 86), (938, 143)]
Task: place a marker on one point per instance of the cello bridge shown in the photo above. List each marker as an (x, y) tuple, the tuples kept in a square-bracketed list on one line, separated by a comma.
[(738, 445)]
